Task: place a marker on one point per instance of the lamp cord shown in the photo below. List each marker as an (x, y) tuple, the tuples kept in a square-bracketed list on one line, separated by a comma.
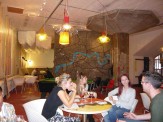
[(52, 13)]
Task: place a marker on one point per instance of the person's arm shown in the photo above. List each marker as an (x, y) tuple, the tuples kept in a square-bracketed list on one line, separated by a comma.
[(86, 87), (113, 92), (137, 117), (65, 98)]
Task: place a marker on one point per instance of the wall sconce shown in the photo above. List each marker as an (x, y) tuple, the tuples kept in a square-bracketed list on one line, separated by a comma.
[(24, 59), (30, 63)]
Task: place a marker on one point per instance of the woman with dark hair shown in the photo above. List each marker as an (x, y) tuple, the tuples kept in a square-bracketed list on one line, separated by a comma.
[(126, 96)]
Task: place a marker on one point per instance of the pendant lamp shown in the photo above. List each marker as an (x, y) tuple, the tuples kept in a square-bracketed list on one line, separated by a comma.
[(64, 35), (66, 25), (42, 36), (64, 38), (104, 38)]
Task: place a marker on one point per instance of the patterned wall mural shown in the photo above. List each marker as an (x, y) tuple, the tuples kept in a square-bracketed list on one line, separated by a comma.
[(84, 54)]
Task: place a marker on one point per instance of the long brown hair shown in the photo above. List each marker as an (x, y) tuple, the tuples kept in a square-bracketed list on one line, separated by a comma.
[(121, 85), (79, 76)]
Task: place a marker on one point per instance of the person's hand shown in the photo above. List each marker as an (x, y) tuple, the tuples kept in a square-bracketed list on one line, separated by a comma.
[(111, 98), (114, 101), (120, 120), (73, 87), (130, 115)]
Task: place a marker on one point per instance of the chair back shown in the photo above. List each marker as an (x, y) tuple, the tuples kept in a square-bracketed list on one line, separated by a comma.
[(146, 100), (111, 84), (33, 110), (134, 105), (31, 79), (18, 81)]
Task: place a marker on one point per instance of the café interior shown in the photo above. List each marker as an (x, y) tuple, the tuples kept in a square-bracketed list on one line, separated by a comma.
[(102, 38)]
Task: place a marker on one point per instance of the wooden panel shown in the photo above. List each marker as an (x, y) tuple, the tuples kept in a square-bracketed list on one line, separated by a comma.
[(15, 10)]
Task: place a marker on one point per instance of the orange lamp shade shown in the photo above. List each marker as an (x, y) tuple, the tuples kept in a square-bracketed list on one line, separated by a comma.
[(64, 38)]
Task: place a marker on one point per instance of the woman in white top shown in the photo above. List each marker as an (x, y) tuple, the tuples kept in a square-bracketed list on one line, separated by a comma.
[(126, 96)]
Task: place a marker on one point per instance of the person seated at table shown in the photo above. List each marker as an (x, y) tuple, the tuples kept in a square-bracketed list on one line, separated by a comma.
[(151, 82), (59, 96), (48, 74), (6, 110), (81, 83), (82, 90), (35, 72), (126, 97)]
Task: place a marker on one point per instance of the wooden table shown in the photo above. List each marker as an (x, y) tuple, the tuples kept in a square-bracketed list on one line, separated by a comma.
[(88, 106)]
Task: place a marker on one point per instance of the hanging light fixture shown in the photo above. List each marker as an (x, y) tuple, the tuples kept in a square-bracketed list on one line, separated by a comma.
[(42, 36), (64, 38), (104, 38), (66, 24), (64, 35)]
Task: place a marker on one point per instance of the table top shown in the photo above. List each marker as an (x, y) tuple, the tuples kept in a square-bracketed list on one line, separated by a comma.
[(88, 107)]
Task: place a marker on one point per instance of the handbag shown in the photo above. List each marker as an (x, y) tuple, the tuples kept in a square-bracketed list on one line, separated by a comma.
[(60, 118)]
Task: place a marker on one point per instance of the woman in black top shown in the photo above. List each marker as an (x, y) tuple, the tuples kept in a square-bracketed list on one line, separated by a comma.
[(59, 96)]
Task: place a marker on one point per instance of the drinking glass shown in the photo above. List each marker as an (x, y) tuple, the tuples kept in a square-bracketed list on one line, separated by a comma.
[(81, 93)]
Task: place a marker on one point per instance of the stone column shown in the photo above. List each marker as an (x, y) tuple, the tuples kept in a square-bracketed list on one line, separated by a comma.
[(120, 54)]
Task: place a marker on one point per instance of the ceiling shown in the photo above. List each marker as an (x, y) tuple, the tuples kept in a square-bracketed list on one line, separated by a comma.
[(30, 17)]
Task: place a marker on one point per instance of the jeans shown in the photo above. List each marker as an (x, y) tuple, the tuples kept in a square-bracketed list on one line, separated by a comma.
[(130, 120), (115, 113)]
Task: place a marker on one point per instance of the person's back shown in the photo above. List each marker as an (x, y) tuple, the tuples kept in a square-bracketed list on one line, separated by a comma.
[(33, 72), (48, 74), (156, 108), (7, 110)]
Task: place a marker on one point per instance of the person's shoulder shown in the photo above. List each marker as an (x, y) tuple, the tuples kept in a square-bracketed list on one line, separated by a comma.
[(131, 89), (8, 105), (57, 88)]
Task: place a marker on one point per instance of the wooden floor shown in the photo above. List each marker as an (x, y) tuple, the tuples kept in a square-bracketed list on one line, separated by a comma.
[(31, 94)]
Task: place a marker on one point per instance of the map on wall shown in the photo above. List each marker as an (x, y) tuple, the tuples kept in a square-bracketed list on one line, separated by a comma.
[(101, 63)]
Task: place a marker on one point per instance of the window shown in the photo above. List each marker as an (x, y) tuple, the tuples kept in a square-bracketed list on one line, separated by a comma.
[(158, 66)]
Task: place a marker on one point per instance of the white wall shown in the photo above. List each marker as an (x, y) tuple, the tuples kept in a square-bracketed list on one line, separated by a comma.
[(41, 59), (137, 42)]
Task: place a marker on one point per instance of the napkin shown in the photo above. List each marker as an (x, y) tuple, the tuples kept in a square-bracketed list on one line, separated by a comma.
[(110, 101), (76, 100), (74, 106), (101, 102)]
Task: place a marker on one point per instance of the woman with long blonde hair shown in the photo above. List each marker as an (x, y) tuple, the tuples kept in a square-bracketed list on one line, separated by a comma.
[(59, 96)]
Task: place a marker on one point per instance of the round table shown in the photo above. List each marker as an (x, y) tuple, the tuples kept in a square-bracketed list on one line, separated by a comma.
[(88, 106)]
